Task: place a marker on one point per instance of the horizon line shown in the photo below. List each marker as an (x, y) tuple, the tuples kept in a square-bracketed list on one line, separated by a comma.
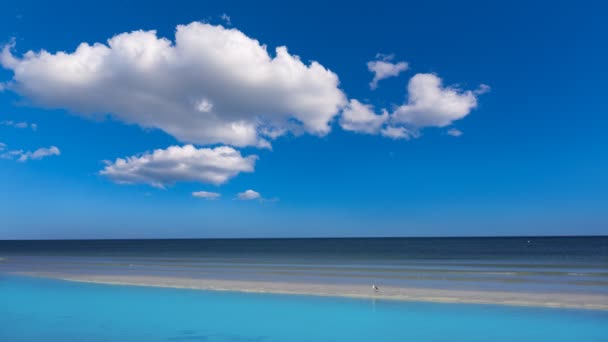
[(313, 238)]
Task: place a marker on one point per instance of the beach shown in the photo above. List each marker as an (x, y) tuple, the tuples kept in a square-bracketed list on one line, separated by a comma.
[(551, 300)]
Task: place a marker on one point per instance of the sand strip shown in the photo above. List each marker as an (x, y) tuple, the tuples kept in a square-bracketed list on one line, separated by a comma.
[(551, 300)]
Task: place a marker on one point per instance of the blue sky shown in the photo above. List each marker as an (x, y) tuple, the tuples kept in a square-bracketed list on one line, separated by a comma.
[(523, 83)]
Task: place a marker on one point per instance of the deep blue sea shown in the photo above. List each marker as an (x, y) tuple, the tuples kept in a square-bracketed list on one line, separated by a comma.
[(545, 264), (34, 309)]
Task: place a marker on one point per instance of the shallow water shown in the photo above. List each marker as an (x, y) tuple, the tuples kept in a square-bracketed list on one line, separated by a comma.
[(36, 309)]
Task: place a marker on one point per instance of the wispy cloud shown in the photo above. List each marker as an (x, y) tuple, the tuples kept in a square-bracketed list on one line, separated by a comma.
[(206, 195), (22, 124), (22, 156), (454, 132), (226, 18), (383, 68), (398, 133)]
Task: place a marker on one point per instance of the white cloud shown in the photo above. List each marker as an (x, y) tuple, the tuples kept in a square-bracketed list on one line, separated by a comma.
[(483, 88), (430, 104), (455, 132), (361, 118), (14, 124), (211, 85), (383, 68), (206, 194), (249, 195), (40, 153), (23, 156), (180, 163), (398, 133)]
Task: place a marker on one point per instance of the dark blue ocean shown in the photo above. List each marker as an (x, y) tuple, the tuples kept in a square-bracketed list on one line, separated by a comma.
[(547, 264)]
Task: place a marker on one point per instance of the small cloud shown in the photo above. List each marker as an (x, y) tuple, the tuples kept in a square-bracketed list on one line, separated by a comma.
[(204, 106), (40, 153), (383, 68), (22, 156), (431, 104), (188, 163), (397, 133), (483, 88), (226, 18), (206, 194), (387, 57), (10, 123), (455, 132), (249, 195)]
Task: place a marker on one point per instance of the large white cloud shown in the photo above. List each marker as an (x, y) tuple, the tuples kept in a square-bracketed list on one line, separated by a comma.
[(180, 163), (211, 85)]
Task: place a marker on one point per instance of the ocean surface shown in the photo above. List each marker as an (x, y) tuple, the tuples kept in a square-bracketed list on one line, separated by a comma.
[(38, 309), (542, 264)]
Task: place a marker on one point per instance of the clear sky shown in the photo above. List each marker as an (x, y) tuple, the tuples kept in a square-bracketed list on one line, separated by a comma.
[(276, 119)]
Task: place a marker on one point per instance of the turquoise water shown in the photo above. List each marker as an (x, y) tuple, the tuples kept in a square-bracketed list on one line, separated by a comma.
[(34, 309)]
